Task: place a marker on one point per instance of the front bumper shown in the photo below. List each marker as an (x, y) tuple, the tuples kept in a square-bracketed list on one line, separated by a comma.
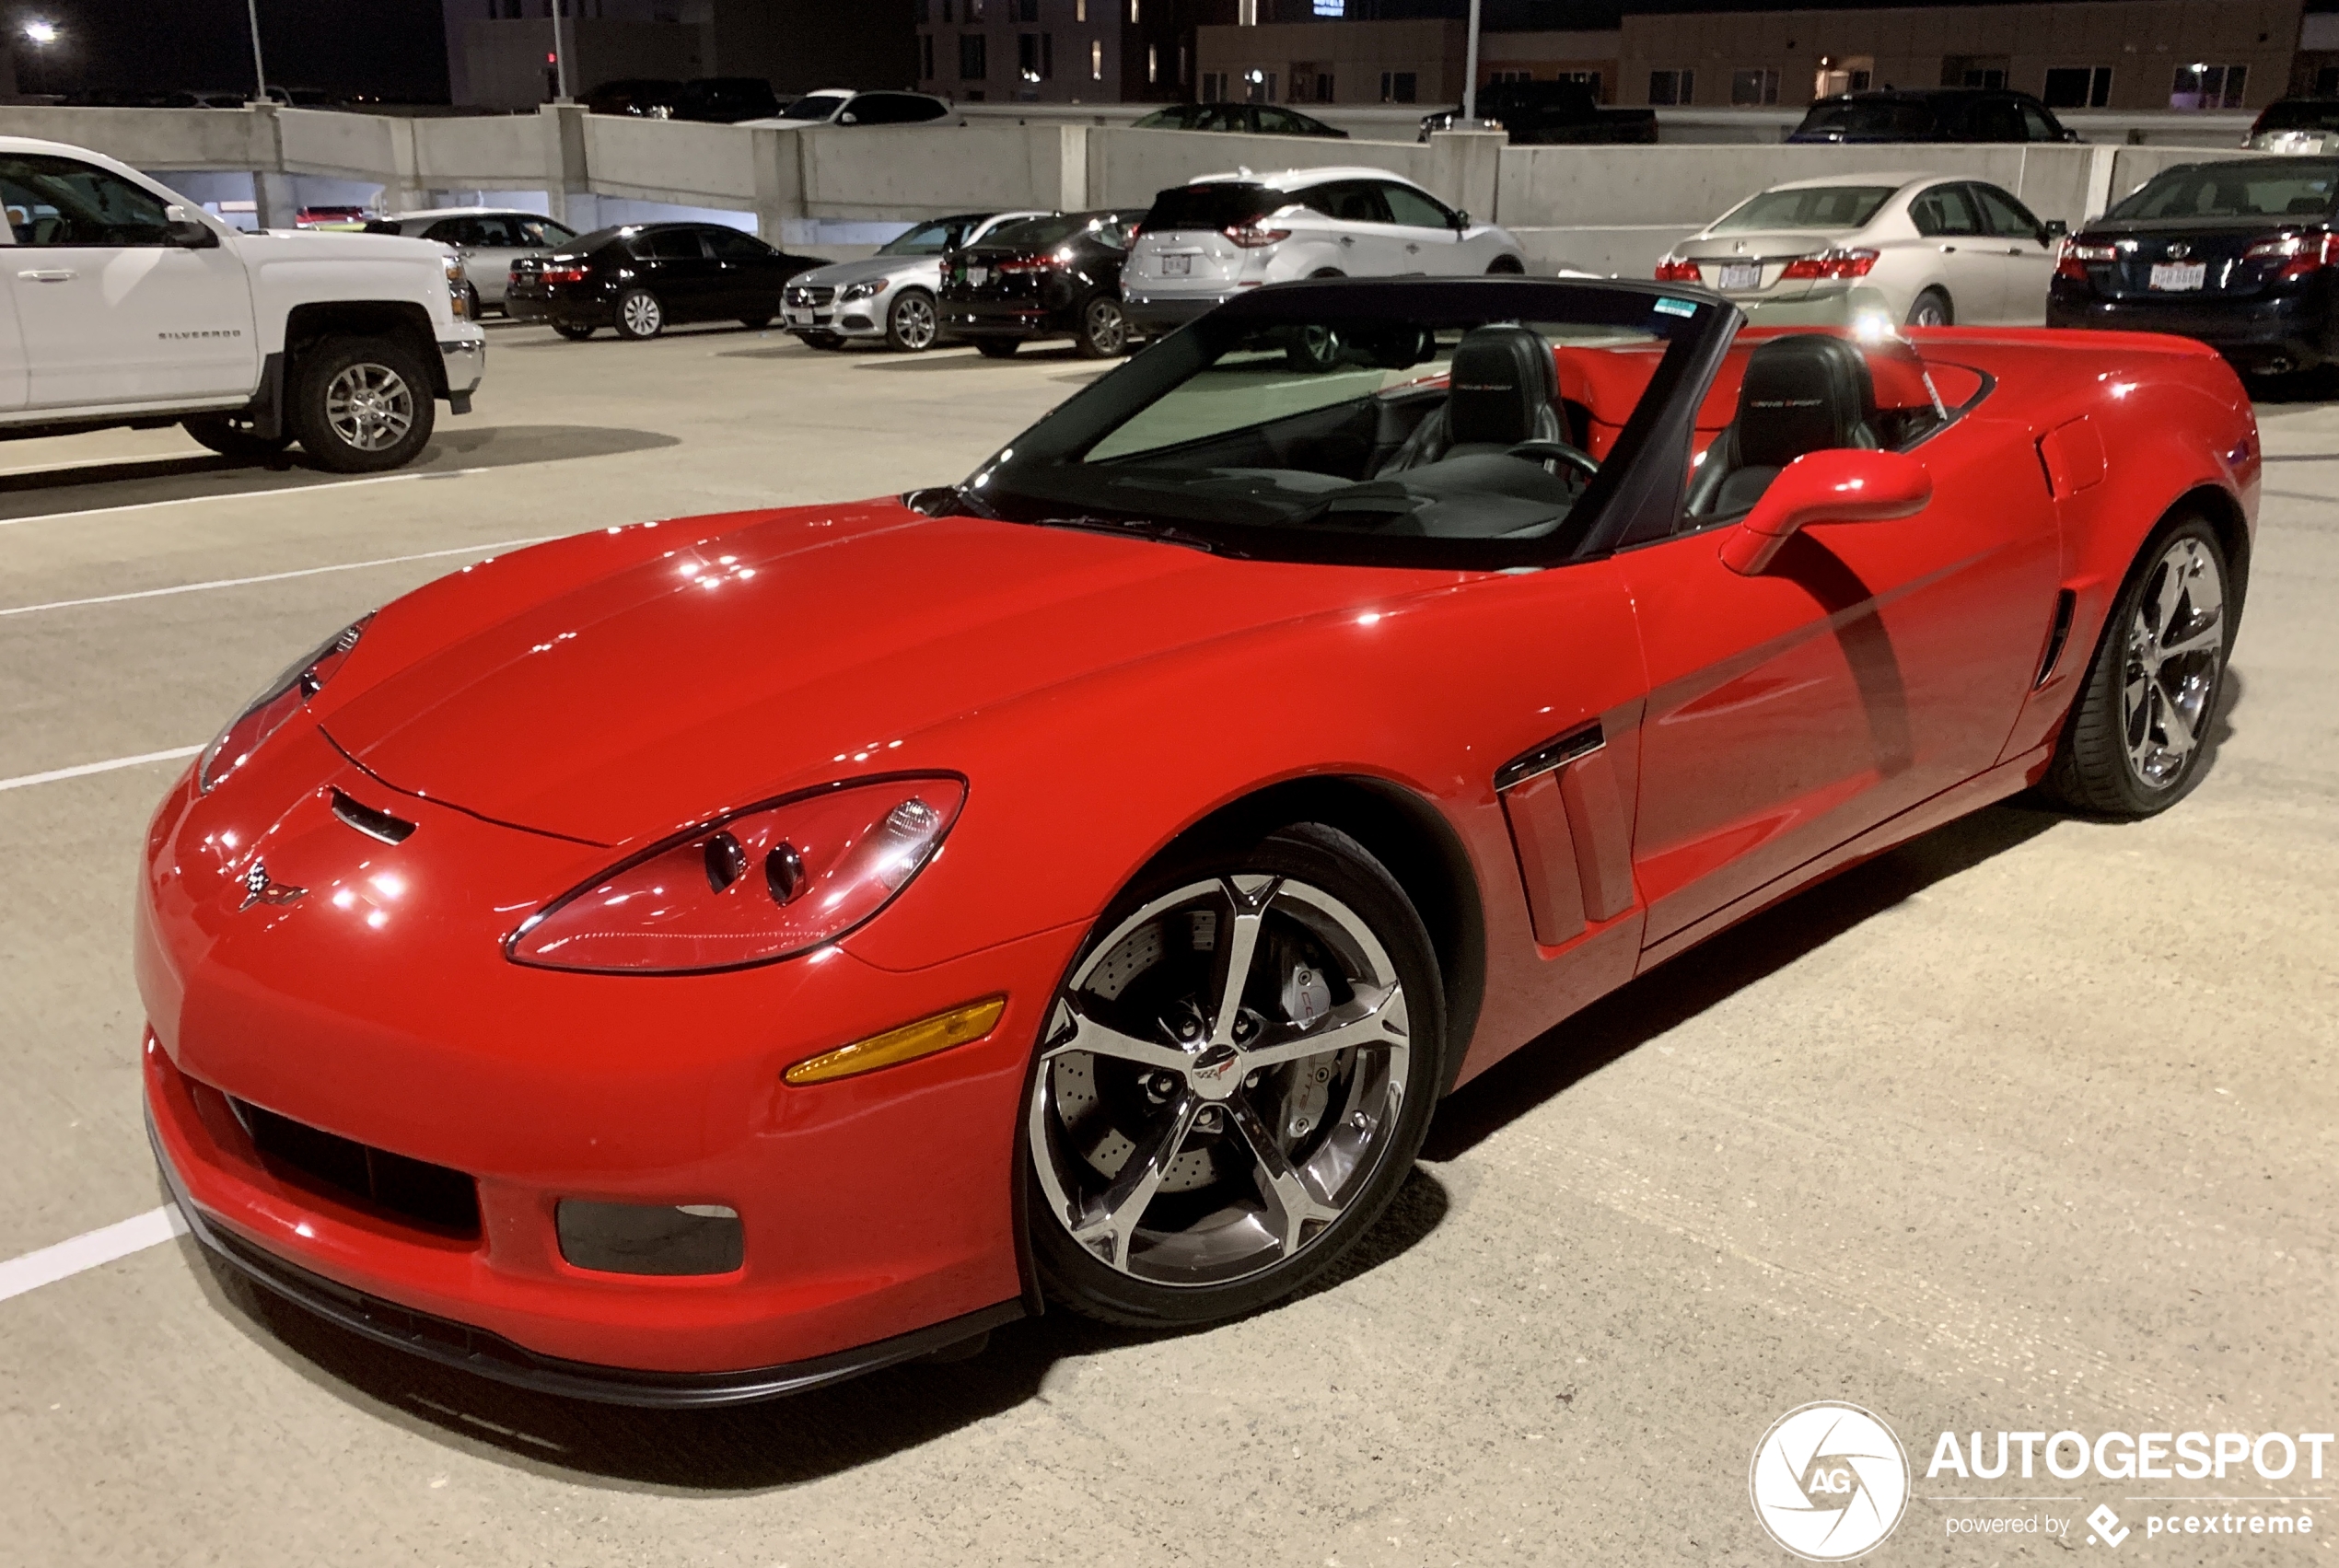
[(466, 363), (878, 1213), (1153, 314), (2289, 331), (860, 318)]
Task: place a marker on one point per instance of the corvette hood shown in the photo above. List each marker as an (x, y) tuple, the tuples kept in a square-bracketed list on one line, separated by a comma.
[(609, 697)]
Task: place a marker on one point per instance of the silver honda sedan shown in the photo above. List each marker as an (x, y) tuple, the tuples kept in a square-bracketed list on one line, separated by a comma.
[(887, 296)]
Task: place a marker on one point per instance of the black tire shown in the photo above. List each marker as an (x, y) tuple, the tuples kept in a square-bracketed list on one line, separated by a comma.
[(641, 315), (2109, 763), (360, 405), (912, 324), (1312, 350), (472, 309), (220, 432), (755, 323), (575, 331), (997, 348), (828, 342), (1195, 1218), (1932, 309), (1505, 267), (1104, 330)]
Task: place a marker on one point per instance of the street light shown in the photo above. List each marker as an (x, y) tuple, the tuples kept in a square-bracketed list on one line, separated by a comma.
[(40, 32)]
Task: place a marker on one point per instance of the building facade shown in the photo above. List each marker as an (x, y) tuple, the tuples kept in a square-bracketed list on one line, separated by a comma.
[(2126, 54), (1397, 61), (1061, 51)]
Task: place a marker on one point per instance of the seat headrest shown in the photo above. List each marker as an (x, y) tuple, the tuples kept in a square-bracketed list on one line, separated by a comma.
[(1802, 394), (1502, 378)]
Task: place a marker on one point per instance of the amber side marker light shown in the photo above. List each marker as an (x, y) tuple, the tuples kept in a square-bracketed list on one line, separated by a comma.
[(907, 1043)]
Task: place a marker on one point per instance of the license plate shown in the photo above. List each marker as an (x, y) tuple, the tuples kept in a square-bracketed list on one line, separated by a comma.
[(1177, 266), (799, 317), (2174, 276), (976, 275), (1743, 274)]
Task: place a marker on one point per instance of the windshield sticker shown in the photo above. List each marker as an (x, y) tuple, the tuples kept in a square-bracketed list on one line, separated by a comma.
[(1671, 307)]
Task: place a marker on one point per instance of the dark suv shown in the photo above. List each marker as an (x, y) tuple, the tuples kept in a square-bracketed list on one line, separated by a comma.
[(1931, 114)]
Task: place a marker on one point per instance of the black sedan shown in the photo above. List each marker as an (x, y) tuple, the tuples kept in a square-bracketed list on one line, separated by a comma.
[(643, 278), (1931, 114), (2238, 254), (1250, 119), (1047, 277)]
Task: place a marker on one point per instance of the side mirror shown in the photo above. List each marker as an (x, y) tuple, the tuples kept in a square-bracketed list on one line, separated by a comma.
[(848, 118), (184, 231), (2055, 229), (1840, 486), (1462, 221)]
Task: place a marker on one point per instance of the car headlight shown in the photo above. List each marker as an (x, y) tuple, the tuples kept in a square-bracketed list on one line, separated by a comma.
[(752, 887), (266, 714), (868, 290)]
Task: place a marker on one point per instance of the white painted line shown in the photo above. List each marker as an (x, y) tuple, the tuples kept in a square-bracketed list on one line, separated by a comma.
[(274, 577), (237, 496), (84, 769), (89, 1251)]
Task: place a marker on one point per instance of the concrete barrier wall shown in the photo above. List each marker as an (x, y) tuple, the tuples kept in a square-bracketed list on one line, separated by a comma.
[(153, 138), (907, 172), (666, 161), (483, 152)]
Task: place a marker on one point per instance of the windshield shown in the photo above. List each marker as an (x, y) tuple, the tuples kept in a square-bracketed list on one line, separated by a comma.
[(2299, 114), (1038, 234), (1211, 206), (1820, 206), (1870, 117), (2289, 188), (1390, 421), (817, 106), (928, 238)]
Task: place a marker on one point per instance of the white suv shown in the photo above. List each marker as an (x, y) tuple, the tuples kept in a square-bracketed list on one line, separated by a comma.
[(1204, 242)]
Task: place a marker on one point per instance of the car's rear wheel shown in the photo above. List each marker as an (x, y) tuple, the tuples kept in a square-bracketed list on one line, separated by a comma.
[(997, 348), (2135, 742), (1104, 330), (1232, 1082), (1932, 309), (1312, 349), (360, 405), (575, 331), (222, 435), (1505, 267), (640, 315), (911, 324), (823, 341)]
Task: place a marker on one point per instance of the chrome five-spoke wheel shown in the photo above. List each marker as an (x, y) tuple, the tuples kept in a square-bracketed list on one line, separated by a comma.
[(2175, 646), (1226, 1078)]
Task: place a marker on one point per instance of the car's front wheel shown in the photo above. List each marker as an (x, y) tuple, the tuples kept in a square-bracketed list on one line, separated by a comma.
[(1232, 1081), (911, 324), (360, 405), (823, 341), (640, 315), (1104, 330), (2137, 740)]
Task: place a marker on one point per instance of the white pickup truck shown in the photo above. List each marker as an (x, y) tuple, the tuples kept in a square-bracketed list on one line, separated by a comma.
[(134, 306)]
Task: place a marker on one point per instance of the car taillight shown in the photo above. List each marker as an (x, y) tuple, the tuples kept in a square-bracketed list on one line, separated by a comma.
[(1831, 263), (1672, 269), (267, 713), (562, 275), (1051, 262), (2076, 256), (2300, 254), (752, 887), (1250, 237)]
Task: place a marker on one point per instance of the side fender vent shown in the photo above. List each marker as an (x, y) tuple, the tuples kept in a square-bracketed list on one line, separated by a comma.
[(2065, 602)]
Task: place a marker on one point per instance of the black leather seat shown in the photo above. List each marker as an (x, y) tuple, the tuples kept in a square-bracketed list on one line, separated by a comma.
[(1800, 394), (1502, 388)]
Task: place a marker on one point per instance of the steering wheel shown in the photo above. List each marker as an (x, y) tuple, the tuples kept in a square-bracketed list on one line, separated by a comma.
[(1556, 452)]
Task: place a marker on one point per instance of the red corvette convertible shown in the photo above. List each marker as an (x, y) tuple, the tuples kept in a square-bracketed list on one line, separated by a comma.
[(705, 959)]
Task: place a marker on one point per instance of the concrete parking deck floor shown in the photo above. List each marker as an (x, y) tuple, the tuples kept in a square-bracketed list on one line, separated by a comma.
[(2026, 1126)]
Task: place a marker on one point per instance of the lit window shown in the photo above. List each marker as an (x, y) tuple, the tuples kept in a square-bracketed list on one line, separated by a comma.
[(1080, 10), (1133, 12), (1153, 55)]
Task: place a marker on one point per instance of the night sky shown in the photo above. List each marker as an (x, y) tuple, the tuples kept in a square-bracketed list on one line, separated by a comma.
[(394, 48)]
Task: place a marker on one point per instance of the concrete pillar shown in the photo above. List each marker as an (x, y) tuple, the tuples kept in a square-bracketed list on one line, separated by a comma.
[(566, 174), (1465, 168), (779, 181), (273, 204)]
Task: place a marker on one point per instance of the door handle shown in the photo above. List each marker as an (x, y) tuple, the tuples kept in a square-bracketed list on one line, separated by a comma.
[(48, 275)]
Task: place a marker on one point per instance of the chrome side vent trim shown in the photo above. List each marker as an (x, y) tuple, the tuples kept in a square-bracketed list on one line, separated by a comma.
[(373, 823)]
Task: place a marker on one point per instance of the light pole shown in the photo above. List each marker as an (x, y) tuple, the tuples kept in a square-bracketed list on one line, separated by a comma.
[(560, 50), (259, 67), (41, 35), (1469, 73)]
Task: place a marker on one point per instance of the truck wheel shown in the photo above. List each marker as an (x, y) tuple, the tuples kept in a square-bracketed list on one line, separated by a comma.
[(360, 405), (218, 431), (640, 316)]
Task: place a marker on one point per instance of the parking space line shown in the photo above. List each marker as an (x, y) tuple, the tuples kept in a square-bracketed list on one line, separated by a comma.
[(236, 495), (89, 1249), (84, 769), (273, 576)]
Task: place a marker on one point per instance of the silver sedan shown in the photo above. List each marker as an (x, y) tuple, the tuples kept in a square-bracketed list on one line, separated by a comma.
[(889, 295)]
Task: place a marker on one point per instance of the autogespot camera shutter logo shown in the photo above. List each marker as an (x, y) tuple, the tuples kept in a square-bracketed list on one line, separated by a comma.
[(1830, 1481)]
